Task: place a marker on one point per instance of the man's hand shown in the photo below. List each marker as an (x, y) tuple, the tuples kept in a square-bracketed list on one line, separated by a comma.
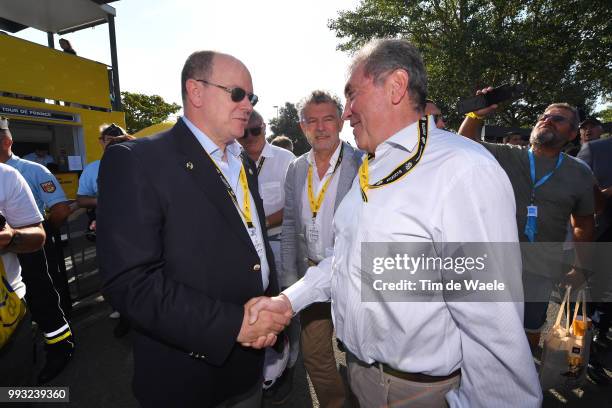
[(279, 304), (261, 332), (573, 278), (488, 109)]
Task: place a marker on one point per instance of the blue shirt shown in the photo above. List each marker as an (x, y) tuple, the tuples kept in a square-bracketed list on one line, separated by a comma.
[(46, 159), (231, 171), (88, 182), (45, 187)]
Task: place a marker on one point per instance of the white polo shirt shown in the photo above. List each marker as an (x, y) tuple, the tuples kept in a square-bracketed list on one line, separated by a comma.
[(17, 205)]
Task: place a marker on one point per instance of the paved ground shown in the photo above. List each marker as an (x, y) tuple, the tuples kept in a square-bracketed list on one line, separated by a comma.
[(100, 374)]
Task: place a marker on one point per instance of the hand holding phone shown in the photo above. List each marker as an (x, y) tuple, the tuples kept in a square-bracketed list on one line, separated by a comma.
[(494, 96)]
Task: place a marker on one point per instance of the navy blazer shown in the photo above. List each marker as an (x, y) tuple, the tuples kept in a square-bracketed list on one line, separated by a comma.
[(176, 259)]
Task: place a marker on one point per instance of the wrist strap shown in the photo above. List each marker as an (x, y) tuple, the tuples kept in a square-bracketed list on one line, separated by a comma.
[(473, 115)]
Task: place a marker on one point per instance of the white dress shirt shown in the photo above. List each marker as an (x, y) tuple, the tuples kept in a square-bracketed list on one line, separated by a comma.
[(321, 248), (456, 193), (272, 179), (230, 167)]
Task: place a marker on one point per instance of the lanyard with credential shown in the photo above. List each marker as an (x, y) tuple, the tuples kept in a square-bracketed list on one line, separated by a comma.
[(260, 164), (531, 225), (244, 184), (400, 171), (315, 203)]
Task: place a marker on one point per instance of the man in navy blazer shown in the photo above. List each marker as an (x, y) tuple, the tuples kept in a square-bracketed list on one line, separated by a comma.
[(183, 248)]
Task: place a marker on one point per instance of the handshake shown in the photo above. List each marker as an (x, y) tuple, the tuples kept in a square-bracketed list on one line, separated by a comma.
[(264, 318)]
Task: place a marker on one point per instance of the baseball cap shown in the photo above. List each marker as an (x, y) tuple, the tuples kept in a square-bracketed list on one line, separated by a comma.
[(591, 120), (3, 123)]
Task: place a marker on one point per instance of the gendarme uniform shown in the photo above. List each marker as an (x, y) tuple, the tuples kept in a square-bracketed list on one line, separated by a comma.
[(42, 296)]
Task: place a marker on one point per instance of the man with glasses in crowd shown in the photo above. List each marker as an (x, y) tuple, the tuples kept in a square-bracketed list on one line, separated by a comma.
[(182, 223), (550, 189)]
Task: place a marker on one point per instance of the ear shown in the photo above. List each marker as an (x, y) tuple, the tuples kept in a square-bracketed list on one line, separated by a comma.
[(397, 83), (194, 92)]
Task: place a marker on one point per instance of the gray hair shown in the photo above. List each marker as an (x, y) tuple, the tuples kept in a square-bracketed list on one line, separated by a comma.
[(317, 97), (198, 66), (575, 121), (380, 57)]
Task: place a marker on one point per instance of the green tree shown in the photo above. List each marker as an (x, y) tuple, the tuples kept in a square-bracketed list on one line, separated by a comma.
[(605, 114), (559, 49), (142, 110), (288, 123)]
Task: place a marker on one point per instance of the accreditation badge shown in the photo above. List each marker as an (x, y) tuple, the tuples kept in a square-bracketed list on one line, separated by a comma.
[(312, 231), (257, 242), (532, 211)]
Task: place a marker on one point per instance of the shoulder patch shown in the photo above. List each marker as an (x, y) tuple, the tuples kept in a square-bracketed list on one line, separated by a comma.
[(48, 186)]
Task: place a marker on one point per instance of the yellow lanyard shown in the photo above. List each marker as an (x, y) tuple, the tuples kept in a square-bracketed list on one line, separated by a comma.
[(400, 171), (244, 184), (315, 203)]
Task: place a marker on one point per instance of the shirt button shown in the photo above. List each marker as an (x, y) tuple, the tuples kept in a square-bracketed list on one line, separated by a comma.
[(256, 268)]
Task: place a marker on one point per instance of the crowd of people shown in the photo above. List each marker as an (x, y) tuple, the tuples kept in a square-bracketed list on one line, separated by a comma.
[(230, 255)]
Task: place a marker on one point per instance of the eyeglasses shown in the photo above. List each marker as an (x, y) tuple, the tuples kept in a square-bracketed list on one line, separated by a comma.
[(554, 118), (237, 94), (254, 131)]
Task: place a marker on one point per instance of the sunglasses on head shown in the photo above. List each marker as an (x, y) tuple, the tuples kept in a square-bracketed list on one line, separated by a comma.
[(112, 131), (254, 131), (237, 94), (554, 118)]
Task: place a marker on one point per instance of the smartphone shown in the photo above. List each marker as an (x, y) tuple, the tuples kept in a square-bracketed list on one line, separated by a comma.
[(2, 222), (501, 93)]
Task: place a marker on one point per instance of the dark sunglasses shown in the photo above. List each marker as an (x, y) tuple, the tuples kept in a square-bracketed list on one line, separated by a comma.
[(237, 94), (554, 118), (254, 131)]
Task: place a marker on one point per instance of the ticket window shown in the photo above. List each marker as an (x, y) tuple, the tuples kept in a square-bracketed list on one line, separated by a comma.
[(58, 142), (63, 145)]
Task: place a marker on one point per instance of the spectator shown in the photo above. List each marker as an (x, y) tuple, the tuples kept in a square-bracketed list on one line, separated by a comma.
[(432, 109), (514, 138), (66, 46), (40, 155), (560, 188), (40, 269), (21, 231), (87, 197), (590, 129), (283, 141)]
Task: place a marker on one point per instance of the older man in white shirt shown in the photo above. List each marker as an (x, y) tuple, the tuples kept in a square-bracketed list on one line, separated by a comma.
[(419, 184)]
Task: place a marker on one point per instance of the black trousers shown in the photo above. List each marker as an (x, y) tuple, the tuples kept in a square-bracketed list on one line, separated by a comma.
[(41, 296)]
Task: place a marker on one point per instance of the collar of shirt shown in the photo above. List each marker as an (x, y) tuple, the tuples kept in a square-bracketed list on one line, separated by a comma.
[(211, 147), (14, 159), (405, 139), (332, 160), (267, 151)]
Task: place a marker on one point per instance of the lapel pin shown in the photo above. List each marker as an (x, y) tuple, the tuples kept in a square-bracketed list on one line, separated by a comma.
[(250, 172), (189, 165)]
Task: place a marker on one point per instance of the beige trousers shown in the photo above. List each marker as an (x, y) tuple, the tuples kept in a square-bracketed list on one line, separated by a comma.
[(375, 388), (318, 354)]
